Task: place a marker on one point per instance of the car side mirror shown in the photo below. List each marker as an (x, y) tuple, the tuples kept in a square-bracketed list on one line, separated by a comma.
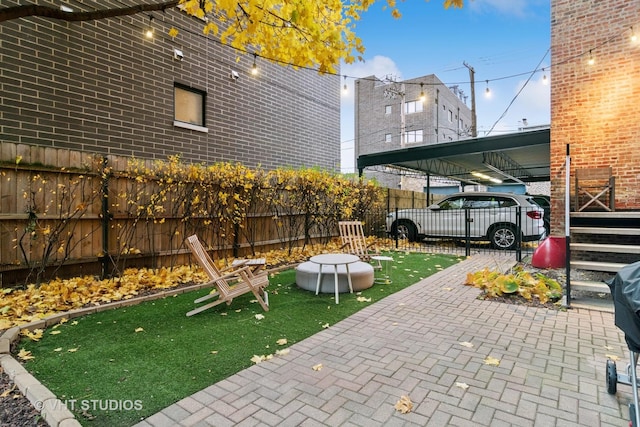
[(434, 207)]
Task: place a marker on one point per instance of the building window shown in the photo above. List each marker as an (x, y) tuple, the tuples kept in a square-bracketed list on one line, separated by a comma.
[(387, 109), (413, 136), (450, 115), (387, 137), (189, 107), (413, 107)]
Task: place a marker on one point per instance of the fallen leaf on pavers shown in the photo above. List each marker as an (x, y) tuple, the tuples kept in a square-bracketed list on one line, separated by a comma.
[(259, 316), (363, 299), (281, 341), (257, 359), (466, 344), (317, 367), (404, 405), (401, 304), (447, 289), (139, 330), (25, 355), (282, 352), (34, 335), (463, 386), (608, 347), (491, 361), (612, 357)]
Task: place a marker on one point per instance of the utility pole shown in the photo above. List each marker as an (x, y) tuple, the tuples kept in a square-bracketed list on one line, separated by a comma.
[(474, 125)]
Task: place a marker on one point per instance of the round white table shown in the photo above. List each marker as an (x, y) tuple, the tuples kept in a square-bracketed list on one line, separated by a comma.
[(335, 260)]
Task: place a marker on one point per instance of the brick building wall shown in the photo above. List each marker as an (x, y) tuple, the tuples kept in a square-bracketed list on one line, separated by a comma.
[(102, 87), (595, 108), (444, 118)]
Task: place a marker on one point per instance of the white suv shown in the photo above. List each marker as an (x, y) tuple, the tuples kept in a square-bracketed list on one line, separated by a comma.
[(491, 216)]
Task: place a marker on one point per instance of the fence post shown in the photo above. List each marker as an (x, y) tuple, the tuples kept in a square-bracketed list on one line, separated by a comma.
[(519, 233), (467, 231), (106, 217)]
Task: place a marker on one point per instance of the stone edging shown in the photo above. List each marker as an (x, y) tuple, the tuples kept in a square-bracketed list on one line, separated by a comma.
[(52, 409)]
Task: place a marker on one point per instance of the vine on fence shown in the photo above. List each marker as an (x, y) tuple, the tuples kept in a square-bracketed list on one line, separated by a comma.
[(153, 206)]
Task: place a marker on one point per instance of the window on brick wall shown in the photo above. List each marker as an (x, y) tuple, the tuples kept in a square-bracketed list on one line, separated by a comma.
[(387, 138), (387, 109), (413, 136), (189, 107), (413, 107)]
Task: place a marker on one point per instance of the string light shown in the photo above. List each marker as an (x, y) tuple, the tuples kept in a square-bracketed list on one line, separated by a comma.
[(487, 91), (423, 97), (149, 32), (591, 60), (254, 67), (345, 89), (544, 78), (634, 37)]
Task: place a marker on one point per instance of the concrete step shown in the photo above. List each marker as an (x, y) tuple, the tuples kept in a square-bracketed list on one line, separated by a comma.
[(609, 248), (605, 230), (612, 267), (603, 305), (589, 286)]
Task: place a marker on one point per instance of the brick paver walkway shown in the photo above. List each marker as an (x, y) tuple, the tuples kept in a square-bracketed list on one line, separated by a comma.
[(551, 371)]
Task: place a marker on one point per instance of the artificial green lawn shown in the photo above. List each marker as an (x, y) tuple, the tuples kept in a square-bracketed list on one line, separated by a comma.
[(111, 375)]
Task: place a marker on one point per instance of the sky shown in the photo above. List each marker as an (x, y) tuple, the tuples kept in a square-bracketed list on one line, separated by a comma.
[(504, 41)]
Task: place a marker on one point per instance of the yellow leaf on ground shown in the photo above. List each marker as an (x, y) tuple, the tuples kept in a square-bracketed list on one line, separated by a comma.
[(466, 344), (25, 355), (282, 352), (317, 367), (463, 386), (281, 341), (56, 332), (214, 351), (7, 392), (34, 335), (491, 361), (139, 330), (363, 299), (404, 405), (325, 326), (73, 350), (259, 316), (257, 359), (57, 349)]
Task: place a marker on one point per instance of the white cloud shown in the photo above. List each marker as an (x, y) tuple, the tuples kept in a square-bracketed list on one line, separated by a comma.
[(519, 8)]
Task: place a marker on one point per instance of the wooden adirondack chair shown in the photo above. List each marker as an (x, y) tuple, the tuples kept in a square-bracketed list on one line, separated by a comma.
[(243, 278), (354, 241)]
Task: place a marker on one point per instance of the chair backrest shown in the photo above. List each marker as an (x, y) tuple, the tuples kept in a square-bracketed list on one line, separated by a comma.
[(352, 235), (206, 263)]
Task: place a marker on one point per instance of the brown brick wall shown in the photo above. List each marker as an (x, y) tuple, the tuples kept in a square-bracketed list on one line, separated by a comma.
[(102, 87), (595, 108)]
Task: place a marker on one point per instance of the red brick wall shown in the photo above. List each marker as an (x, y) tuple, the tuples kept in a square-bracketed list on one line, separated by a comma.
[(595, 108)]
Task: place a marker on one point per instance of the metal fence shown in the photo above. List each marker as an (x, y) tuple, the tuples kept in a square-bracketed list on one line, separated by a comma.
[(515, 230)]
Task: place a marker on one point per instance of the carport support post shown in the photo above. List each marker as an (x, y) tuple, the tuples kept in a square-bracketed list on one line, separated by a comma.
[(567, 226)]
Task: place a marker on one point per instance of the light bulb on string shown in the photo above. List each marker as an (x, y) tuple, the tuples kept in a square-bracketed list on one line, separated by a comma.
[(487, 91), (591, 60), (254, 67), (423, 97), (544, 78), (633, 37), (345, 89), (149, 31)]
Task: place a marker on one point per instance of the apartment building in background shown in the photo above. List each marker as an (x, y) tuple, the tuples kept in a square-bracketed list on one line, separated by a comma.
[(104, 87), (390, 115)]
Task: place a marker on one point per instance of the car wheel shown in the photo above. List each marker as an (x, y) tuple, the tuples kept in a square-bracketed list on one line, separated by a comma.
[(405, 230), (503, 236)]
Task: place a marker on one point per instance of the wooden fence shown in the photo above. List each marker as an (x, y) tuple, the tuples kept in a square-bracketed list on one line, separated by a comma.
[(65, 213)]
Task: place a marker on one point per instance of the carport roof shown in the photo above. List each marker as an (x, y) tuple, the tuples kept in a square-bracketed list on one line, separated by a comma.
[(517, 157)]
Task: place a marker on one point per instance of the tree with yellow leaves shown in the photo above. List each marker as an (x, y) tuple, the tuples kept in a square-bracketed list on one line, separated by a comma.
[(304, 33)]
